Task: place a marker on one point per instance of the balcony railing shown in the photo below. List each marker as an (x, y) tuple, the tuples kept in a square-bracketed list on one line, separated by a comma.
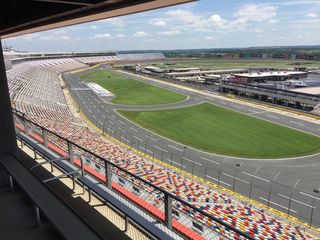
[(169, 210)]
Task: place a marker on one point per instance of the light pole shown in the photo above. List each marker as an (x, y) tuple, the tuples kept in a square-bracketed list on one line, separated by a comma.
[(145, 149), (290, 200), (270, 188), (235, 175), (251, 183), (153, 153), (103, 129), (219, 177), (205, 172), (121, 130), (171, 158), (184, 150)]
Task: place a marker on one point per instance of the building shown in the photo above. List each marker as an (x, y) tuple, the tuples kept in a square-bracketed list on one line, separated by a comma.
[(269, 76)]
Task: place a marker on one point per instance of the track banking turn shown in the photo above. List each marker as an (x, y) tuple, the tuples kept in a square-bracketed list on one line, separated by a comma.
[(269, 181)]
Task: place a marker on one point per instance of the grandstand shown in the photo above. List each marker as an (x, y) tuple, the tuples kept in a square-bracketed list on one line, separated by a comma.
[(35, 91), (64, 59)]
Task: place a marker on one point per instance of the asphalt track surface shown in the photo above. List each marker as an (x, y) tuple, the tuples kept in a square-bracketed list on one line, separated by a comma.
[(283, 184)]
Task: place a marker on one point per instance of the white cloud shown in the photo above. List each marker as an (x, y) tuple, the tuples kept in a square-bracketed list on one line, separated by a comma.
[(208, 38), (55, 37), (255, 13), (217, 21), (121, 35), (312, 15), (139, 34), (169, 33), (158, 23), (93, 27), (186, 18), (247, 14), (273, 21), (117, 22), (65, 37), (102, 36), (47, 38)]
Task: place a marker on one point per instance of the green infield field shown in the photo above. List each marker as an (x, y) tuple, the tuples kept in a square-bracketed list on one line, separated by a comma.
[(131, 92), (222, 131)]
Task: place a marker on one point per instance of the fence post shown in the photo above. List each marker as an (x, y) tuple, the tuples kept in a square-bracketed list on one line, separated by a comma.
[(168, 210), (291, 195), (25, 125), (312, 209), (70, 152), (108, 174), (45, 137)]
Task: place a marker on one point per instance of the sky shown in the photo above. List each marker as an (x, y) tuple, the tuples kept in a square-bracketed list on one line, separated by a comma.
[(201, 24)]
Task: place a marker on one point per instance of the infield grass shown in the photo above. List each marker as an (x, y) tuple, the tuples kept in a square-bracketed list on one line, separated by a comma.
[(223, 131), (241, 63), (132, 92)]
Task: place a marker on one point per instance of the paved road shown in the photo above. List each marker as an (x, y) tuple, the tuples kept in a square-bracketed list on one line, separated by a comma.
[(262, 180)]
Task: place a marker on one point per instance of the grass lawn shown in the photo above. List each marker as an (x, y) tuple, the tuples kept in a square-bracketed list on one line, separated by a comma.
[(131, 92), (94, 75), (222, 131)]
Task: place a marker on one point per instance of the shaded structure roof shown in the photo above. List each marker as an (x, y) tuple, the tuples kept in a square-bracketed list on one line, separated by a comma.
[(21, 17)]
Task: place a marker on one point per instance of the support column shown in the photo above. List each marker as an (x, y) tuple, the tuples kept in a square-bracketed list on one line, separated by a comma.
[(108, 174), (168, 211), (45, 137), (8, 144)]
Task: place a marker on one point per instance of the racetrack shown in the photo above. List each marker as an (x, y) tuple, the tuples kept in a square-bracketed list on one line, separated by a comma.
[(222, 131), (262, 180)]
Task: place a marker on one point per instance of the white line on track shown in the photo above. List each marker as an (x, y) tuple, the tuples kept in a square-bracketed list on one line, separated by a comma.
[(209, 160), (178, 149), (125, 139), (309, 195), (138, 138), (199, 164), (277, 204), (236, 106), (235, 178), (251, 175), (254, 112), (218, 181), (169, 160), (269, 115), (294, 200), (122, 130), (302, 124), (133, 129), (152, 138), (144, 149), (160, 149), (178, 164)]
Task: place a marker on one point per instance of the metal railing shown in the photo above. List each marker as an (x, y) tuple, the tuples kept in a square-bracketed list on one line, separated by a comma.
[(176, 214)]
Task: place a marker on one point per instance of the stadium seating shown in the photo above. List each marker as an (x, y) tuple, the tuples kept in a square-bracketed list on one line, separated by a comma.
[(35, 90)]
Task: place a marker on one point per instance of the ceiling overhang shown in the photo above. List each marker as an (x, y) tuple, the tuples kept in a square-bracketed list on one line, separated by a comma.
[(81, 11)]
